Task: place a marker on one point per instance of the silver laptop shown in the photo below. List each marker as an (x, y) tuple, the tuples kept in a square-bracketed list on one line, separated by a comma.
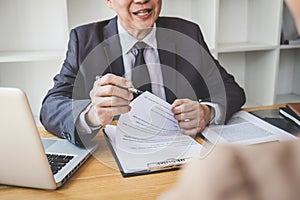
[(25, 157)]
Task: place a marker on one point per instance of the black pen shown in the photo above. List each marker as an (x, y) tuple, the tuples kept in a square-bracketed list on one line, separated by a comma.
[(129, 89)]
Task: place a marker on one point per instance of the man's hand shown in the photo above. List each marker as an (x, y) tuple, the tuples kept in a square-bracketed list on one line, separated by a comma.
[(191, 115), (108, 99)]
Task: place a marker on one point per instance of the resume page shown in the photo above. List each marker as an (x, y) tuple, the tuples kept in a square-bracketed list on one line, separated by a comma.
[(149, 133)]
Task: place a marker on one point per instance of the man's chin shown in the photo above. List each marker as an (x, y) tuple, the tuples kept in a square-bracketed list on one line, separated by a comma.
[(145, 27)]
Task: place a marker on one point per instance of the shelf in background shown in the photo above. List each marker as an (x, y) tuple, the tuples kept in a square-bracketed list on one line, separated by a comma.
[(28, 56), (285, 98), (243, 46), (291, 46)]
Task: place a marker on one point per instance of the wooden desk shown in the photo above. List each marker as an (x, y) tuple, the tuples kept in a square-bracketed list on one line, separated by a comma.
[(100, 178), (277, 106)]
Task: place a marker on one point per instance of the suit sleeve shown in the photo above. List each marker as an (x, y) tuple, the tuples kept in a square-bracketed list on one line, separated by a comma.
[(60, 109)]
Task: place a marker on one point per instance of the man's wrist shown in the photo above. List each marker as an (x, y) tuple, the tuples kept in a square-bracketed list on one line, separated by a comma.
[(87, 119), (93, 127), (82, 123), (216, 114)]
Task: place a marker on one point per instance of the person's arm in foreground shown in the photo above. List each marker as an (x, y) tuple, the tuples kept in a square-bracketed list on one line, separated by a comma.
[(261, 172), (294, 7)]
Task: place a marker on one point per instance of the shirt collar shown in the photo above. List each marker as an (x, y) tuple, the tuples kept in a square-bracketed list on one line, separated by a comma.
[(128, 41)]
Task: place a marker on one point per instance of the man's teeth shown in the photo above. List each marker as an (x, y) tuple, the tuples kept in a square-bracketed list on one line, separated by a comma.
[(142, 12)]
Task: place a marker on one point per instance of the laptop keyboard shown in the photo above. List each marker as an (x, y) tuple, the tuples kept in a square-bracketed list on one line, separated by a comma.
[(57, 162)]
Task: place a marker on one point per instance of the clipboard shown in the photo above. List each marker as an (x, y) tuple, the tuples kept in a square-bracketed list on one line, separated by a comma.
[(152, 167)]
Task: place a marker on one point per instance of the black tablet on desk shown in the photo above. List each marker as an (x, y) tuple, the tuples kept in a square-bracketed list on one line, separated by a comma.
[(273, 117)]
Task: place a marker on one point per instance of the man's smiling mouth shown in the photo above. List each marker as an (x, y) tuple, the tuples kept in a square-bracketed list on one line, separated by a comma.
[(143, 12)]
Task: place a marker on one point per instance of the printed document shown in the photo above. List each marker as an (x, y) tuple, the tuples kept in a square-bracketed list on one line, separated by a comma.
[(149, 134), (245, 128)]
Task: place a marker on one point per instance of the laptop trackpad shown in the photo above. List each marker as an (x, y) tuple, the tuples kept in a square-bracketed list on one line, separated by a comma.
[(47, 143)]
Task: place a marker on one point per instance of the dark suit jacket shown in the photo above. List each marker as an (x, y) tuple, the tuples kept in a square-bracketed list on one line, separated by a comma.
[(189, 71)]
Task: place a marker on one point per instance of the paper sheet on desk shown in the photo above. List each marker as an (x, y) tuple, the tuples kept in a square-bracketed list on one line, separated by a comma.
[(150, 126), (245, 128), (149, 133), (136, 162)]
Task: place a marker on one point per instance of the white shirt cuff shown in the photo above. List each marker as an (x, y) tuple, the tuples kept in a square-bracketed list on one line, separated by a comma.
[(82, 124), (217, 112)]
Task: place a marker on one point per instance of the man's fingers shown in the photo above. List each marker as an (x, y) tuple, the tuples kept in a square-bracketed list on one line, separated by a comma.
[(183, 105), (187, 116), (112, 102), (104, 115), (111, 79), (190, 116), (111, 90), (189, 123), (191, 132), (109, 98)]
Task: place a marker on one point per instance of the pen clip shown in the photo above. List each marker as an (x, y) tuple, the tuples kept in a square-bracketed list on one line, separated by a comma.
[(134, 90), (98, 77)]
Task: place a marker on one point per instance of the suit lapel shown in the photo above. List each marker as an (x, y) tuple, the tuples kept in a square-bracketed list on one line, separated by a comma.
[(167, 55), (112, 49)]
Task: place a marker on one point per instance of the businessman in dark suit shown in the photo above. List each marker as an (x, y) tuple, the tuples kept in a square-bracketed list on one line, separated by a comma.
[(181, 70)]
